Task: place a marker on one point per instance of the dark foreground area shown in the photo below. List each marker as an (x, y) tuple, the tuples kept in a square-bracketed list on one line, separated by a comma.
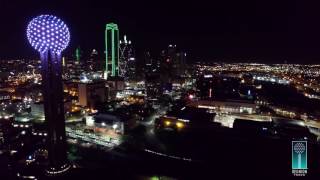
[(199, 155)]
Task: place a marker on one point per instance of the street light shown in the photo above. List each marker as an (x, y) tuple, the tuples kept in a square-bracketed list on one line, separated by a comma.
[(180, 125)]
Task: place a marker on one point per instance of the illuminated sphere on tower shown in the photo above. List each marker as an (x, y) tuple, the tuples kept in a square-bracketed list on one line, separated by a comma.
[(49, 35), (47, 32)]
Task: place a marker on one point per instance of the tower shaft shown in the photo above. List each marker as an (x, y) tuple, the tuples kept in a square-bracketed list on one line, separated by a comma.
[(54, 110)]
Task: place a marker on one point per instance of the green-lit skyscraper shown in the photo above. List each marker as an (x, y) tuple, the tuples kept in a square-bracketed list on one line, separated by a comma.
[(78, 53), (112, 50)]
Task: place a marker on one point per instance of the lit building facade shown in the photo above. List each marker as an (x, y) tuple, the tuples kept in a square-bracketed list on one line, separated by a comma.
[(127, 64), (237, 107), (93, 63)]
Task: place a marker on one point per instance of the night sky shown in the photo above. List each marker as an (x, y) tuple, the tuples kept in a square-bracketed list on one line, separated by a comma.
[(228, 30)]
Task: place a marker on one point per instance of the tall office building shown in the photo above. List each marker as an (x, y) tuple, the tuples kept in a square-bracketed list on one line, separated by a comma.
[(173, 61), (127, 64), (152, 75), (179, 64), (112, 50), (94, 62), (172, 66), (147, 63)]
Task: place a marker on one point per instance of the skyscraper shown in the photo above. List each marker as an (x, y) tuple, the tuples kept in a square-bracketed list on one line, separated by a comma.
[(93, 63), (127, 64), (112, 50), (173, 61)]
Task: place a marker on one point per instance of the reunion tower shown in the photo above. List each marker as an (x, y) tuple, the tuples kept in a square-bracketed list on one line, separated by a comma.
[(50, 36)]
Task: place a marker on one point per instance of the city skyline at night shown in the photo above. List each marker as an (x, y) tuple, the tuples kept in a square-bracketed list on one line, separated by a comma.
[(159, 90)]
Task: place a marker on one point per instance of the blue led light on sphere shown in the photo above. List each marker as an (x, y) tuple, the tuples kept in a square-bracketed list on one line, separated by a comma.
[(47, 32)]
